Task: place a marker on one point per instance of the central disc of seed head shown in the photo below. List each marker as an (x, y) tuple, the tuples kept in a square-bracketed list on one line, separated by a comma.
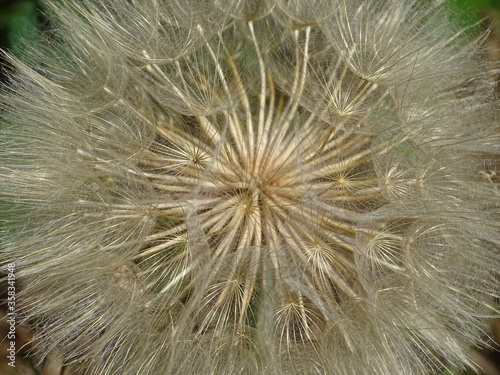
[(256, 183)]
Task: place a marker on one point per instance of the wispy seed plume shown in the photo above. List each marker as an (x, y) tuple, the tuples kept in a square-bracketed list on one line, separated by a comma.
[(265, 187)]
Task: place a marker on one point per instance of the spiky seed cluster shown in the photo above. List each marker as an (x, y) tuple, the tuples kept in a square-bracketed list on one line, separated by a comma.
[(265, 187)]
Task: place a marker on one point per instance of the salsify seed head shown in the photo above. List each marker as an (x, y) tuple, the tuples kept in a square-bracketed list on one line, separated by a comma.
[(264, 187)]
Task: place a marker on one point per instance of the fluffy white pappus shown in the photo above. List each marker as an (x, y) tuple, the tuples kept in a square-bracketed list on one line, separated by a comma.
[(268, 187)]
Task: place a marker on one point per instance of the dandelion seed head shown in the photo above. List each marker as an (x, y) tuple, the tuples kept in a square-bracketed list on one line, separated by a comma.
[(275, 187)]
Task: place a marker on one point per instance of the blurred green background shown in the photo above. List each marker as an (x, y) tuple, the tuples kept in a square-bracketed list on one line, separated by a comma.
[(20, 20), (22, 23)]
